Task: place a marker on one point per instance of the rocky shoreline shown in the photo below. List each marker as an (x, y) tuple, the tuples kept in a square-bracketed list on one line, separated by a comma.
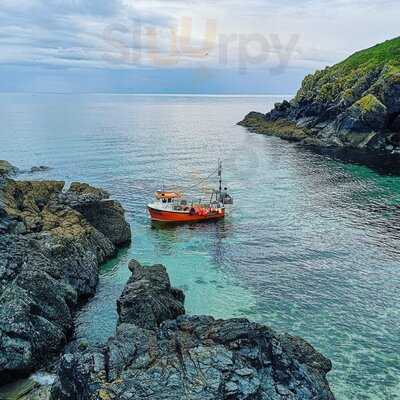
[(353, 105), (52, 242), (160, 353)]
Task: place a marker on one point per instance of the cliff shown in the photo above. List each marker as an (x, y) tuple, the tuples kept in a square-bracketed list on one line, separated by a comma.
[(160, 353), (52, 242), (354, 104)]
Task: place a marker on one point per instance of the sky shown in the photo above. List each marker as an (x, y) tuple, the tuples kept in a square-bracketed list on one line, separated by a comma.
[(178, 46)]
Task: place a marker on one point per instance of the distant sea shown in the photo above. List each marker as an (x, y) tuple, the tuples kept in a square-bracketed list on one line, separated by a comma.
[(311, 246)]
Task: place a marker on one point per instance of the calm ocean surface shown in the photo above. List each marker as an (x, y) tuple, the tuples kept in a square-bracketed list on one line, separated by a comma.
[(311, 247)]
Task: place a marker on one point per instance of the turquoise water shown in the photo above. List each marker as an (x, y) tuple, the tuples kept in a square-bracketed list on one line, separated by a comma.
[(311, 245)]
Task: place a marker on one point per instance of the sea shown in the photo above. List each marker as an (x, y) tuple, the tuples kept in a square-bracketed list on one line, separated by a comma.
[(311, 245)]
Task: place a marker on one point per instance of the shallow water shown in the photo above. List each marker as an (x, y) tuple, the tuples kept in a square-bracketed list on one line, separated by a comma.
[(311, 245)]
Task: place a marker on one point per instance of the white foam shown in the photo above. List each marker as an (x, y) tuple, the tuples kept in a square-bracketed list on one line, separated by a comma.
[(43, 378)]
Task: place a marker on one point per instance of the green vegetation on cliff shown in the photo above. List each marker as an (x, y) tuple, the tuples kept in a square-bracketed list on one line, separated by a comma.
[(355, 103), (387, 53), (369, 103), (347, 80)]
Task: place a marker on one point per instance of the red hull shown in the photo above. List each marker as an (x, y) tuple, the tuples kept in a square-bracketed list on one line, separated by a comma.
[(172, 216)]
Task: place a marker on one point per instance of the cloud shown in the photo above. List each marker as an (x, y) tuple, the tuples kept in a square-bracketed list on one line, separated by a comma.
[(181, 34)]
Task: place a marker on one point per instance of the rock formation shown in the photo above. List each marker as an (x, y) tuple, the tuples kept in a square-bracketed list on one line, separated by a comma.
[(51, 245), (39, 168), (354, 104), (148, 298), (6, 168), (188, 357)]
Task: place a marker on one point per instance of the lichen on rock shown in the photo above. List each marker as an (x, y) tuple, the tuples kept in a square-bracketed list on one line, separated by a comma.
[(49, 258)]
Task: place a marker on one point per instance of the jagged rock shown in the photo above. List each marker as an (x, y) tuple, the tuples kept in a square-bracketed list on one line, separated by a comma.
[(190, 357), (107, 216), (279, 111), (366, 114), (6, 168), (387, 88), (49, 258), (83, 189), (148, 298), (354, 104)]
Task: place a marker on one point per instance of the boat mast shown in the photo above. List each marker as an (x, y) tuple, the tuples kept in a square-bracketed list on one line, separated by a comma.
[(220, 177)]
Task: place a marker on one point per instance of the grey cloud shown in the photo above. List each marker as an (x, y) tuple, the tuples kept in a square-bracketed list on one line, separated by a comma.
[(73, 33)]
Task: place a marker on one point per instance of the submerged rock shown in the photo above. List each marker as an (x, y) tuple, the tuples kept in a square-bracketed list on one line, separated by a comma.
[(49, 258), (190, 357), (354, 104), (7, 169), (39, 168)]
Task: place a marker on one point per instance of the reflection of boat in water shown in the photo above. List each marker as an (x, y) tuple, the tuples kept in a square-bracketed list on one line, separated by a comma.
[(172, 206)]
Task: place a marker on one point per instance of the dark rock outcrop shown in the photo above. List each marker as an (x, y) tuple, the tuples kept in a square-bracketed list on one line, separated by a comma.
[(106, 215), (190, 357), (354, 104), (39, 168), (148, 298), (49, 258), (7, 169)]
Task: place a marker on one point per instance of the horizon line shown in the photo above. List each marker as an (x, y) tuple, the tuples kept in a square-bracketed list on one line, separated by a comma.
[(156, 94)]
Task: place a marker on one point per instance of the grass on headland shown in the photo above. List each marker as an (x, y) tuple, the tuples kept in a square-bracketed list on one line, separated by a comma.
[(342, 80), (384, 53)]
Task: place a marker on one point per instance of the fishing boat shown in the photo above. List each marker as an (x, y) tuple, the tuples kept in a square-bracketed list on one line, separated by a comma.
[(172, 206)]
